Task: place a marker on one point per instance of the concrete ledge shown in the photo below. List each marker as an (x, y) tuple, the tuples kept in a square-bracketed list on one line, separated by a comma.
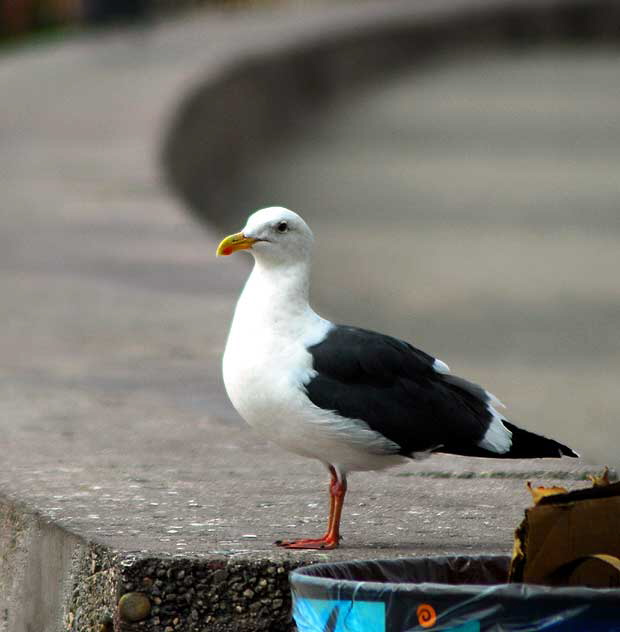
[(124, 469)]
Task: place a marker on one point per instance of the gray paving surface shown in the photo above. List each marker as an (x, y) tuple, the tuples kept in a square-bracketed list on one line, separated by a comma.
[(115, 311), (114, 421)]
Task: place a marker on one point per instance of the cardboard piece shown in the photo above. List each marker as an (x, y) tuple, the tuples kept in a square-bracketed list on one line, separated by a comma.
[(570, 539)]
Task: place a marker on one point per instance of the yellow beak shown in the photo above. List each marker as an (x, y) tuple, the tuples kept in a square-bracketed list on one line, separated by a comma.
[(230, 244)]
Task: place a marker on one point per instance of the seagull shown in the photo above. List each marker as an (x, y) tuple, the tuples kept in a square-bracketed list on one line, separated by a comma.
[(354, 399)]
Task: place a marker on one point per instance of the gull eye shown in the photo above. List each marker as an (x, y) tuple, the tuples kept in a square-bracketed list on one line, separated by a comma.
[(282, 227)]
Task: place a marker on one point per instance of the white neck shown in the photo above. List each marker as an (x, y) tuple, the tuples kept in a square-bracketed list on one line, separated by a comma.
[(275, 296)]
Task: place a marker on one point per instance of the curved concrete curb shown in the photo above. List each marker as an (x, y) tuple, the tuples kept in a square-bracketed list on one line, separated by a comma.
[(223, 125), (130, 470)]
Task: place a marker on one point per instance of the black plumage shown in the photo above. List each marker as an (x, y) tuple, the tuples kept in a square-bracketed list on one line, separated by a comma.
[(395, 389)]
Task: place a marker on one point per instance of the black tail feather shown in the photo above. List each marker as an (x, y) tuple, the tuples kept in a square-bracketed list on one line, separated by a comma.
[(528, 445), (525, 445)]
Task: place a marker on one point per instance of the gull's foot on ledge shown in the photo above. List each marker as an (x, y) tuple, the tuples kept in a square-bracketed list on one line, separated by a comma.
[(323, 543)]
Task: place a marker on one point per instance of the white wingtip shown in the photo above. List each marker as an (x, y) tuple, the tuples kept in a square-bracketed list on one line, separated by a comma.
[(497, 438), (440, 367)]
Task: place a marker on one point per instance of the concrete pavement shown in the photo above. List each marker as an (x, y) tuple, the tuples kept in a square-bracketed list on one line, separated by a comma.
[(123, 466)]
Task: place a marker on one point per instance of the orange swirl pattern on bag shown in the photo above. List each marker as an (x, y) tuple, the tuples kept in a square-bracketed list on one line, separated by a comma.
[(427, 617)]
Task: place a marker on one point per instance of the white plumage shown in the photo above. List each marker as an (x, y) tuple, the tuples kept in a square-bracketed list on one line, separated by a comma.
[(267, 365)]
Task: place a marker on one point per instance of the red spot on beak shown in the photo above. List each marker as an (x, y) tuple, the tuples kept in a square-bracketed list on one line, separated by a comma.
[(227, 251)]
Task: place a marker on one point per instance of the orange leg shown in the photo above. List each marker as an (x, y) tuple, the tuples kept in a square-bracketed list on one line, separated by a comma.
[(337, 491)]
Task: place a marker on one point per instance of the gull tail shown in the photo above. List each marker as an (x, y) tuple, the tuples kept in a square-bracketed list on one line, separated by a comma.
[(528, 445)]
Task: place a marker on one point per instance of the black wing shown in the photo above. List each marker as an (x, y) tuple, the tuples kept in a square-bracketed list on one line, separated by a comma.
[(393, 387)]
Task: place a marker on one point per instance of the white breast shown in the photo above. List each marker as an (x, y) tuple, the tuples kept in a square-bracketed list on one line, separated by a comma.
[(266, 366), (266, 362)]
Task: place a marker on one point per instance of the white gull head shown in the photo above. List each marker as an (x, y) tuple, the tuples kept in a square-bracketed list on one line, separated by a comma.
[(275, 237)]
